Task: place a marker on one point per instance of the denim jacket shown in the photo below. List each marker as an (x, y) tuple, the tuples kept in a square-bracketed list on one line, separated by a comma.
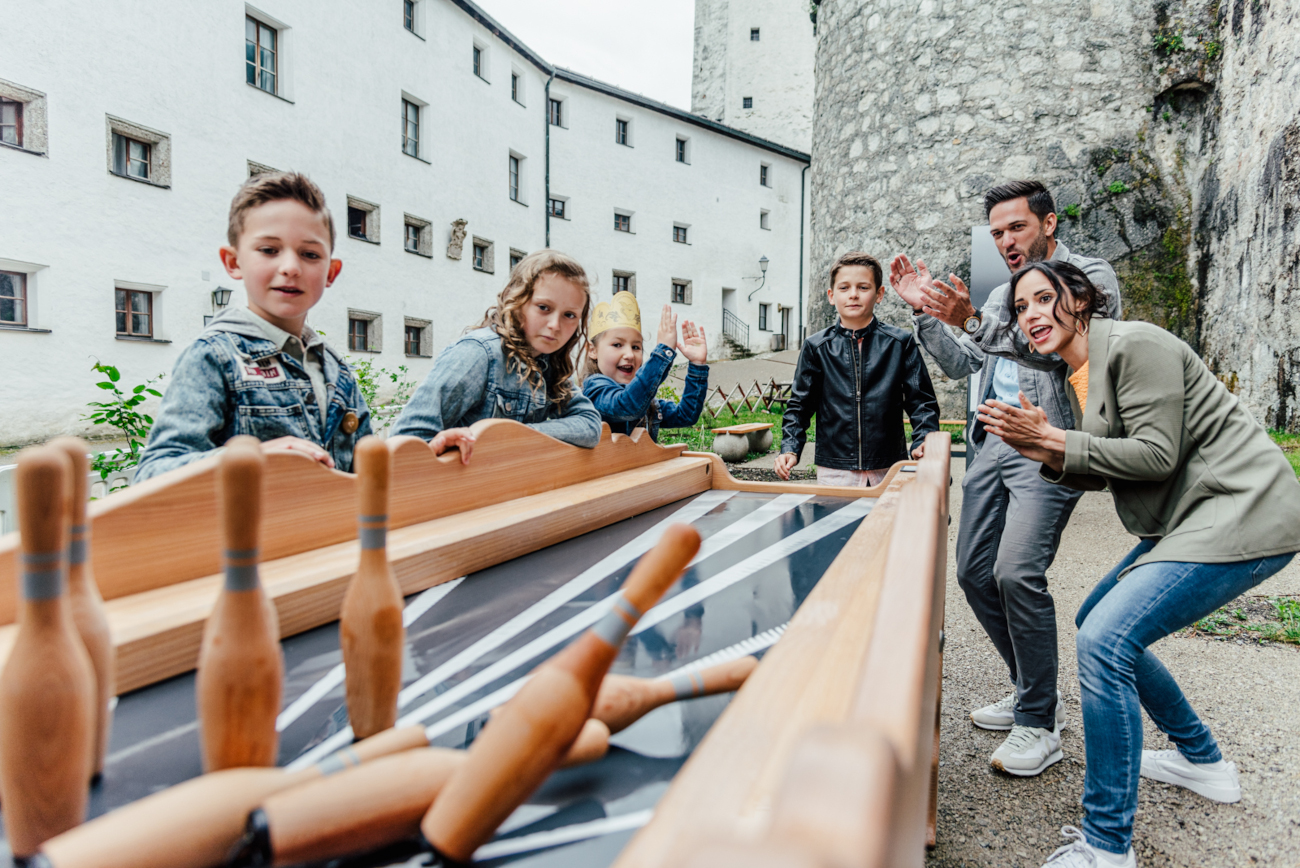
[(470, 381), (233, 380), (635, 405)]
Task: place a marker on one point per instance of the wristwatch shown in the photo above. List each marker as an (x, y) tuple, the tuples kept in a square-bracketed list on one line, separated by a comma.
[(972, 323)]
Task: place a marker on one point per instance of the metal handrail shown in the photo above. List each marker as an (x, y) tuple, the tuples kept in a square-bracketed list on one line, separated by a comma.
[(734, 328)]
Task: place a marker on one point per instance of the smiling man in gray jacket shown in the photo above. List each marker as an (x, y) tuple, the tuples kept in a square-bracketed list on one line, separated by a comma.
[(1011, 520)]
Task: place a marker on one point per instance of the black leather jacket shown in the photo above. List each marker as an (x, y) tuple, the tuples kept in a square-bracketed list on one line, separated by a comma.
[(859, 396)]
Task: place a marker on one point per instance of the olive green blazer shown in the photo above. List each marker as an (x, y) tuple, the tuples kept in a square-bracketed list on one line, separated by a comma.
[(1187, 464)]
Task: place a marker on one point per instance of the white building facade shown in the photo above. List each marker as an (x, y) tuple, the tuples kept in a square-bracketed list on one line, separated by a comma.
[(116, 174)]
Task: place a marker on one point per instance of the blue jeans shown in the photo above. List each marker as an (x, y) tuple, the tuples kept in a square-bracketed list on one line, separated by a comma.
[(1118, 676)]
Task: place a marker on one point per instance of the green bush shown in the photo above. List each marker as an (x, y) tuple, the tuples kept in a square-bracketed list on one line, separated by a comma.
[(121, 414)]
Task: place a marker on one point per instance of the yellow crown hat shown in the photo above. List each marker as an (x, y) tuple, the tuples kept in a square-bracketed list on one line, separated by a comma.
[(621, 311)]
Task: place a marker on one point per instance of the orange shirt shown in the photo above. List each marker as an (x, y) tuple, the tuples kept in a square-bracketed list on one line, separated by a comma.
[(1079, 379)]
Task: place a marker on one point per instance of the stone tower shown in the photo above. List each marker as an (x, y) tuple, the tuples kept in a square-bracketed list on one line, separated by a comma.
[(761, 51), (1169, 133)]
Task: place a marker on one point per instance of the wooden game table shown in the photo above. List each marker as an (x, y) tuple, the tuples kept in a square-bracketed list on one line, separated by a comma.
[(840, 592)]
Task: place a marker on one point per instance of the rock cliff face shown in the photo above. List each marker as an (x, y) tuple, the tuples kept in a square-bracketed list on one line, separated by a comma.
[(1169, 134)]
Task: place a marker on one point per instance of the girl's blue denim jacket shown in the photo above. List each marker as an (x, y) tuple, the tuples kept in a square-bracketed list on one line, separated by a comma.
[(470, 381), (635, 405), (233, 380)]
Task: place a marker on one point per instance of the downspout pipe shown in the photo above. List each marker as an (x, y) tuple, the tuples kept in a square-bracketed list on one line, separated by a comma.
[(546, 108), (802, 181)]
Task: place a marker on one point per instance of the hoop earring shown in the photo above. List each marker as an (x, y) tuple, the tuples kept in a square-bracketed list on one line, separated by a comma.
[(1083, 327)]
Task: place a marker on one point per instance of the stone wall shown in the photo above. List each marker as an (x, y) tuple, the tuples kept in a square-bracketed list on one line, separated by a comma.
[(1162, 130)]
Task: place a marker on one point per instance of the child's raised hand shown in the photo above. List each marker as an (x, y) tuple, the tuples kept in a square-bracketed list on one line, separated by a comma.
[(454, 438), (299, 445), (694, 347), (668, 328)]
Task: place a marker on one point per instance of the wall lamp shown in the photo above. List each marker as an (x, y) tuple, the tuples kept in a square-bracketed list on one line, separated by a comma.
[(220, 297), (762, 266)]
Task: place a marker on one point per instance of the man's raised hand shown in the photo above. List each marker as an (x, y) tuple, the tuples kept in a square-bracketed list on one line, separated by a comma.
[(950, 305), (910, 283)]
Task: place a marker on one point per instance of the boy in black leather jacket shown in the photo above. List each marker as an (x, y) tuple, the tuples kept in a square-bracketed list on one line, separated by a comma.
[(857, 377)]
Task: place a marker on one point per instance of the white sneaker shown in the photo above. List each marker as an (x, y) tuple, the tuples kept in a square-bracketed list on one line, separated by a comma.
[(1216, 781), (1080, 854), (1027, 751), (1001, 715)]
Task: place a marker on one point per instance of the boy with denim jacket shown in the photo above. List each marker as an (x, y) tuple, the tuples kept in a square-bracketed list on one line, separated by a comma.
[(263, 371)]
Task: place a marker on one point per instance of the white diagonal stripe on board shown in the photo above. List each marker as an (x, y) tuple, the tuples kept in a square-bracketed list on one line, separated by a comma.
[(562, 835), (838, 519), (817, 530), (417, 607), (742, 528), (752, 645), (584, 581)]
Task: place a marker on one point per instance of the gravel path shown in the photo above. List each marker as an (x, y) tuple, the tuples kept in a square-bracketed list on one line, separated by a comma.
[(1249, 695)]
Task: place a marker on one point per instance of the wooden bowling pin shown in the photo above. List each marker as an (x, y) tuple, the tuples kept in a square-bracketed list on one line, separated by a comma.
[(84, 599), (366, 807), (196, 823), (47, 687), (241, 669), (531, 733), (624, 700), (370, 626)]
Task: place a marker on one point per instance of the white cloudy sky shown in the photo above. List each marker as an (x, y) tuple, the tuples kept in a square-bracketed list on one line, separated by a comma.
[(640, 45)]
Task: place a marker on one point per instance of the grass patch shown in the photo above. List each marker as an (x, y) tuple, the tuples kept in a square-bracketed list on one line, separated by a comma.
[(1255, 618), (1290, 444)]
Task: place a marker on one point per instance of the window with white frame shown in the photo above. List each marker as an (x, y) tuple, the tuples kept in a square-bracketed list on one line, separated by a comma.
[(683, 153), (261, 54), (363, 220), (765, 174), (516, 257), (410, 128), (623, 131), (138, 152), (13, 298), (624, 281), (622, 221), (679, 233), (418, 338), (480, 58), (762, 317), (22, 117), (365, 331), (515, 171), (484, 255), (134, 313), (681, 291), (408, 15), (517, 86), (558, 207), (555, 112), (763, 220), (418, 235)]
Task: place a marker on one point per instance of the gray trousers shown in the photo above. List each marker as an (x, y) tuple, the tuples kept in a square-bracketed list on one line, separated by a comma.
[(1011, 523)]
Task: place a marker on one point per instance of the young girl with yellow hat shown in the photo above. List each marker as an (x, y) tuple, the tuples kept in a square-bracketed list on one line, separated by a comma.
[(622, 388)]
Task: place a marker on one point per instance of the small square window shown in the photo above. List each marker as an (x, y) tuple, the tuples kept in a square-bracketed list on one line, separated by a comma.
[(357, 223), (681, 292), (484, 255), (13, 298), (134, 313), (131, 157), (417, 337), (410, 128), (762, 317), (516, 257), (620, 131), (358, 335), (763, 175), (412, 238), (679, 234), (555, 112), (763, 221), (480, 256), (412, 342), (625, 281), (747, 102), (480, 62), (753, 34), (623, 222), (556, 207), (417, 235), (11, 122), (363, 220), (408, 15), (681, 150), (260, 54)]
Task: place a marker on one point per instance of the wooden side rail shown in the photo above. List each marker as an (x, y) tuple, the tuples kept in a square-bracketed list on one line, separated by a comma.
[(826, 755), (164, 530), (722, 479)]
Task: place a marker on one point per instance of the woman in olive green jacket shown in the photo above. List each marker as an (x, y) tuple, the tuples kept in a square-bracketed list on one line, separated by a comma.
[(1216, 507)]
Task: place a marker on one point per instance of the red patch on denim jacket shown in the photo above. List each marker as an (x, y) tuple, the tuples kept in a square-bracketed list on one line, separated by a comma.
[(267, 372)]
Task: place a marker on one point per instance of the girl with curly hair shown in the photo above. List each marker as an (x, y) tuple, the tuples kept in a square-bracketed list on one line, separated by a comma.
[(518, 363)]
